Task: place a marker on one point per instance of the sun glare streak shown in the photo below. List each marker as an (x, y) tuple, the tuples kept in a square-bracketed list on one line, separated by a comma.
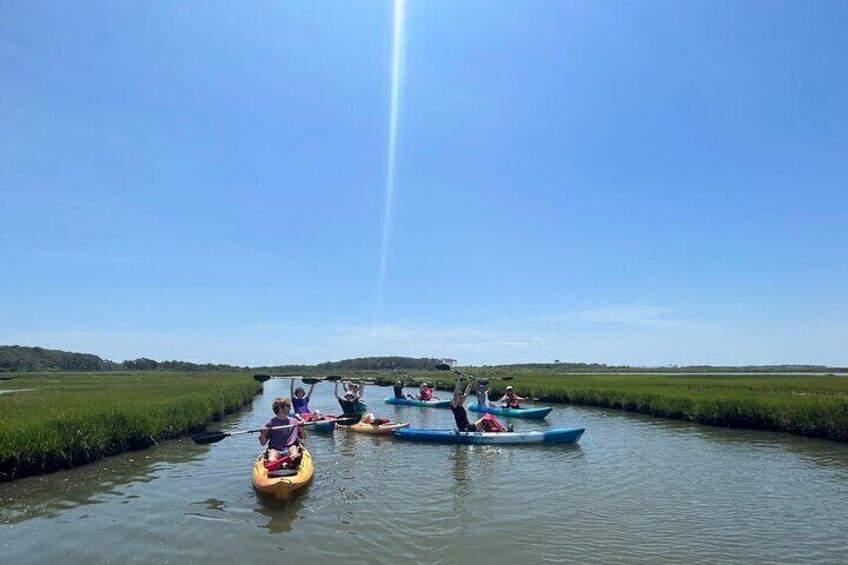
[(397, 64)]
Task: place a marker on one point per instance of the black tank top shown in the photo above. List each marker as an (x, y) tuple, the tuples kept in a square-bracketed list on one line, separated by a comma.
[(461, 417), (348, 406)]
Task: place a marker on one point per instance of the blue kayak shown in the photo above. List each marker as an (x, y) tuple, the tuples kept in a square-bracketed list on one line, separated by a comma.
[(557, 435), (416, 402), (530, 413)]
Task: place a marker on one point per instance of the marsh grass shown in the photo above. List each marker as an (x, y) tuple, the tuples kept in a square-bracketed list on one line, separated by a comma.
[(808, 405), (56, 421)]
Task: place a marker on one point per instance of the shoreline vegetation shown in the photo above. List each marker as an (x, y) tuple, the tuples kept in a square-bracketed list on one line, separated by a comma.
[(802, 404), (54, 421)]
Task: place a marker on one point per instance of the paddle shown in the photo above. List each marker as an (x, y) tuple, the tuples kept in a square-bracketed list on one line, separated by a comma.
[(446, 367), (307, 380), (205, 438)]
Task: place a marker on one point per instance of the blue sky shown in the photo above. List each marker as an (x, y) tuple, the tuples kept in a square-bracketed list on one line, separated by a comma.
[(621, 182)]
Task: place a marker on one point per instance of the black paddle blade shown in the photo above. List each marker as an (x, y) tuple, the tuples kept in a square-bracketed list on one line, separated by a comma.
[(507, 378), (443, 367), (311, 381), (333, 378), (262, 378), (348, 420), (205, 438)]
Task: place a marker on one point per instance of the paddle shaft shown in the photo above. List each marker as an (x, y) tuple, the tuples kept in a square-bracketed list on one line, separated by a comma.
[(216, 436)]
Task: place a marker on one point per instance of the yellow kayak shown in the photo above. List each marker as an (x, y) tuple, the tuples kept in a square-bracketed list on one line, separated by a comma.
[(282, 487), (373, 429)]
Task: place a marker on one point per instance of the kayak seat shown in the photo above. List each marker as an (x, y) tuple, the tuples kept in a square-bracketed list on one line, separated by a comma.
[(282, 473)]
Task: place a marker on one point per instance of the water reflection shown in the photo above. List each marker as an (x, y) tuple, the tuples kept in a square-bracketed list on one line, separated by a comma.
[(47, 496), (281, 515), (826, 453)]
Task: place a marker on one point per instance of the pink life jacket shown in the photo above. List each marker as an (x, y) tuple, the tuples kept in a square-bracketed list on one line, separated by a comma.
[(495, 422)]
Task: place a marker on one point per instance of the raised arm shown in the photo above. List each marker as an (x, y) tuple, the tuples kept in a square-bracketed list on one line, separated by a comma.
[(336, 391), (361, 391), (291, 388), (309, 394)]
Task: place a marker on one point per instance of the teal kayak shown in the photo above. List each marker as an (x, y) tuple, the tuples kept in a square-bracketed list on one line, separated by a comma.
[(557, 435), (530, 413), (416, 402)]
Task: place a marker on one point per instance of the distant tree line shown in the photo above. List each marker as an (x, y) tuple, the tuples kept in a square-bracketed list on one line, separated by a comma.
[(383, 364), (20, 358)]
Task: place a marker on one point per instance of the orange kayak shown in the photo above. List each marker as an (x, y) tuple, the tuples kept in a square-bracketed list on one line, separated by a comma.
[(373, 429), (284, 484)]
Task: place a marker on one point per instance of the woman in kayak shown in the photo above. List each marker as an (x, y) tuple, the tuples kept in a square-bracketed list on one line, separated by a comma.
[(348, 403), (286, 441), (398, 389), (487, 423), (300, 399), (510, 399)]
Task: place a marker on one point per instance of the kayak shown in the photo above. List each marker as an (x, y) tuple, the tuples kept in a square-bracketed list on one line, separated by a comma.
[(361, 407), (557, 435), (327, 423), (282, 487), (416, 402), (372, 429), (530, 413)]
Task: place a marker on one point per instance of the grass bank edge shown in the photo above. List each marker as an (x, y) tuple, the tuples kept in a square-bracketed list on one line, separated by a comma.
[(806, 405), (70, 424)]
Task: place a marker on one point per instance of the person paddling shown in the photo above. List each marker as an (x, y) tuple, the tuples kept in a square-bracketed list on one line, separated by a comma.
[(510, 399), (487, 423), (300, 399), (285, 442)]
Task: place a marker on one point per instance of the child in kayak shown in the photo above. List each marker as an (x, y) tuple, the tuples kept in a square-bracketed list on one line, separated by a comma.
[(283, 442), (482, 394), (487, 423), (300, 399), (357, 390), (425, 392), (510, 399)]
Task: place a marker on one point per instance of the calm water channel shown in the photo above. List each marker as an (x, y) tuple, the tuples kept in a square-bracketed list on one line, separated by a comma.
[(634, 490)]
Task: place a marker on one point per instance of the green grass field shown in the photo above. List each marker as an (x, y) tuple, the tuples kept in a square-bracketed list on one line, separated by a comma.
[(815, 406), (51, 421)]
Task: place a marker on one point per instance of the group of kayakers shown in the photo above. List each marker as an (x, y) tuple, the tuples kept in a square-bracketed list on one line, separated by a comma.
[(292, 413), (487, 423), (284, 432), (425, 391)]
